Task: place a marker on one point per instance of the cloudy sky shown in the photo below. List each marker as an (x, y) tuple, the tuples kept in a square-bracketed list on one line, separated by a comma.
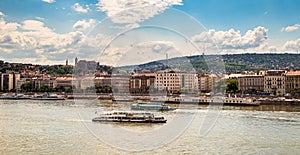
[(121, 32)]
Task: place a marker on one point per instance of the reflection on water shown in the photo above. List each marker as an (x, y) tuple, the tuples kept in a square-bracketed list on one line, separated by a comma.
[(55, 127)]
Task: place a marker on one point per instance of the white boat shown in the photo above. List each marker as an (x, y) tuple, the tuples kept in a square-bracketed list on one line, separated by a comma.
[(133, 117), (13, 97), (208, 100), (46, 96), (151, 106)]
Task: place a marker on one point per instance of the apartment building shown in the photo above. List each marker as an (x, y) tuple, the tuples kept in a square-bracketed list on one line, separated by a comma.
[(292, 81), (174, 81), (251, 83), (120, 83), (66, 82), (43, 82), (206, 82), (8, 81), (274, 82), (141, 82)]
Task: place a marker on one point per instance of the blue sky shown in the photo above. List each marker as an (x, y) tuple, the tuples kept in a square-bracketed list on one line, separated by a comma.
[(50, 31)]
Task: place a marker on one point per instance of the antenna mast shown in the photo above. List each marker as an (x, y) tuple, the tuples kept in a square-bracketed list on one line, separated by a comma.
[(166, 60)]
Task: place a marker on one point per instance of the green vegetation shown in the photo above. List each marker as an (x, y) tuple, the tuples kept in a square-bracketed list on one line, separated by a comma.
[(232, 86), (232, 62), (28, 87), (59, 70)]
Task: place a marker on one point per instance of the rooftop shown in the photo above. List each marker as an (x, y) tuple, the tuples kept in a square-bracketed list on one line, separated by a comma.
[(291, 73)]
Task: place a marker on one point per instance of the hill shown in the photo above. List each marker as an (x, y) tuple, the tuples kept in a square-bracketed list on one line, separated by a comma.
[(231, 62)]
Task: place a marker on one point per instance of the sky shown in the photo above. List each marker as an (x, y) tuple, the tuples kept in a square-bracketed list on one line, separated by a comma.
[(123, 32)]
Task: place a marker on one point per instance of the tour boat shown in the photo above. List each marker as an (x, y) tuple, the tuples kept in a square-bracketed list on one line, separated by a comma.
[(46, 96), (151, 106), (134, 117), (14, 97)]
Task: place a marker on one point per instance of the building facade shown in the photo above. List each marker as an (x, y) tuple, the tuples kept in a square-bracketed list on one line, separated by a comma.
[(251, 83), (274, 82), (66, 82), (44, 82), (141, 83), (120, 84), (167, 80), (292, 81), (174, 82), (8, 81)]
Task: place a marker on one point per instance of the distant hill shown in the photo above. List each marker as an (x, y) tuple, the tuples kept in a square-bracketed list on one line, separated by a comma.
[(231, 62)]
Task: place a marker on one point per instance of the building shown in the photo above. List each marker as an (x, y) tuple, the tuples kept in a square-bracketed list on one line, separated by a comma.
[(206, 82), (141, 83), (66, 82), (292, 81), (175, 81), (274, 82), (188, 82), (21, 82), (120, 84), (85, 67), (167, 80), (103, 81), (251, 83), (44, 82), (87, 82), (8, 81)]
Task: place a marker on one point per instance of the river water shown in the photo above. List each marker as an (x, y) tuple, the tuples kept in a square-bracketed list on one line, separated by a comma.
[(65, 127)]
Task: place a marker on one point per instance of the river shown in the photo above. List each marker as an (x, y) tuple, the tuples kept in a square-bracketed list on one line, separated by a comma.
[(65, 127)]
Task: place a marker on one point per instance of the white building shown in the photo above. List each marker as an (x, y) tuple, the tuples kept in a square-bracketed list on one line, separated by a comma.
[(175, 81), (8, 81), (274, 82)]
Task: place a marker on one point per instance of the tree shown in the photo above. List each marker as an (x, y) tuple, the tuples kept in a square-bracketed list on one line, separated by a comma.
[(26, 86), (232, 86), (60, 89)]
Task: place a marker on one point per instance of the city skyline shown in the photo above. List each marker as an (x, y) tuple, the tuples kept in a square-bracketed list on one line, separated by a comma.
[(51, 31)]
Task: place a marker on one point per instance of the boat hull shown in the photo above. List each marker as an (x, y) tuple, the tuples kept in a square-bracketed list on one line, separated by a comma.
[(128, 120), (207, 102), (155, 107), (23, 98), (51, 99)]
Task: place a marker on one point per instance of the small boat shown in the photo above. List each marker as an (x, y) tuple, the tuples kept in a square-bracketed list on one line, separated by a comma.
[(151, 106), (133, 117), (46, 96), (122, 99), (13, 97)]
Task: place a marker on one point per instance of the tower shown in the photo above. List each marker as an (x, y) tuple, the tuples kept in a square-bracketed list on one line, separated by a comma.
[(76, 61), (167, 61), (67, 62)]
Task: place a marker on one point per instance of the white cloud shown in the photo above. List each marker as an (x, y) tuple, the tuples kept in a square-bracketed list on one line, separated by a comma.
[(2, 14), (80, 9), (290, 28), (139, 53), (49, 1), (161, 47), (292, 46), (83, 25), (134, 11), (39, 18), (232, 39), (31, 39), (34, 25)]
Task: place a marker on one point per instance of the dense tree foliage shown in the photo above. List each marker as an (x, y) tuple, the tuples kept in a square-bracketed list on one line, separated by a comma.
[(232, 86)]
